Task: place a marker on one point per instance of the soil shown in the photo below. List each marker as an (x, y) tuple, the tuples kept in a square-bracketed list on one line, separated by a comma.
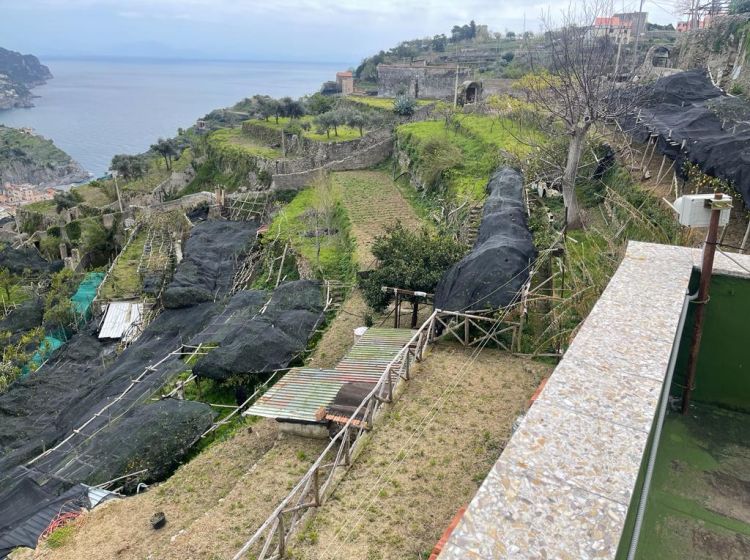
[(373, 203), (408, 483), (212, 503)]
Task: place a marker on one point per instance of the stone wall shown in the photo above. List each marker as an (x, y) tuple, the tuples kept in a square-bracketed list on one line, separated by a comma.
[(360, 159), (721, 48), (436, 82)]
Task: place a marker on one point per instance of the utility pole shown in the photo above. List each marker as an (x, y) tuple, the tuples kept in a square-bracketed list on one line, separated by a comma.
[(637, 37), (709, 250), (117, 191), (455, 85)]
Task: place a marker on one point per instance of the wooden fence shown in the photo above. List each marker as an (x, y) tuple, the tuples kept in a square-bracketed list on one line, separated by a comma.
[(271, 540)]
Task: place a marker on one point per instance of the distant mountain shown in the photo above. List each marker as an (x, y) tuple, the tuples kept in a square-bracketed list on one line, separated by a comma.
[(18, 74)]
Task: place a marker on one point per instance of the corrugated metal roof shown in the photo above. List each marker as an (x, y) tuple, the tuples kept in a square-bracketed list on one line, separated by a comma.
[(303, 392), (119, 317)]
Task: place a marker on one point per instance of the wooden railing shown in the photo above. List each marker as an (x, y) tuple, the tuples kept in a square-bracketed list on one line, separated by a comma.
[(271, 540)]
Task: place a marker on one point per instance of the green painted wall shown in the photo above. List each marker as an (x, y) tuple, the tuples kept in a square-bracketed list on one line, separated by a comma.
[(723, 376)]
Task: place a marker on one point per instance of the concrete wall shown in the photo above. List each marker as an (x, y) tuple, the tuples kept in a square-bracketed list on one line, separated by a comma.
[(437, 82)]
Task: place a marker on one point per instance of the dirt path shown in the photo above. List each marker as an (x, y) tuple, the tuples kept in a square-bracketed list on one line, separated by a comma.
[(383, 510), (212, 503), (373, 203)]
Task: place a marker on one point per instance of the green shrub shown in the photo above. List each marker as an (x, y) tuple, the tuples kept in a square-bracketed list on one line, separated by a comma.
[(404, 105), (409, 260)]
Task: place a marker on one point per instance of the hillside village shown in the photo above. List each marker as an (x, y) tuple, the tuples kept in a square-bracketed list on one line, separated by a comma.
[(434, 310)]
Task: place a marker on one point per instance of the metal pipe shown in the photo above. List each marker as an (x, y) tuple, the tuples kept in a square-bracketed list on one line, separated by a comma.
[(659, 425)]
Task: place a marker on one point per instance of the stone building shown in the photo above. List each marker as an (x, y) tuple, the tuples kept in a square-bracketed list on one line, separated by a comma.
[(433, 82), (345, 82)]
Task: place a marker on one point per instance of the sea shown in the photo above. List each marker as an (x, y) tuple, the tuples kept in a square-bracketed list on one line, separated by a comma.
[(96, 108)]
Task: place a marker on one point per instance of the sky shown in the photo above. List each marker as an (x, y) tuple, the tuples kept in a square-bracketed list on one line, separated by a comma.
[(271, 30)]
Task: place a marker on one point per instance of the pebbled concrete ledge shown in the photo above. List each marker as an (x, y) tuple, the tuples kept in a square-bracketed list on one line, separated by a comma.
[(562, 487)]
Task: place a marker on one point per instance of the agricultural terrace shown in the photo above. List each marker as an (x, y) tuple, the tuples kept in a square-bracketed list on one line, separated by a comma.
[(123, 280), (425, 459), (383, 103), (373, 203), (462, 155), (341, 134), (234, 140)]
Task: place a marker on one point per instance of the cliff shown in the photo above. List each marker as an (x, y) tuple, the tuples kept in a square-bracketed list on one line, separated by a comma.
[(18, 74), (27, 158)]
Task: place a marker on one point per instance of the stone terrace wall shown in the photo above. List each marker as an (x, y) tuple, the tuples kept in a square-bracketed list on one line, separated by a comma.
[(360, 159), (420, 81)]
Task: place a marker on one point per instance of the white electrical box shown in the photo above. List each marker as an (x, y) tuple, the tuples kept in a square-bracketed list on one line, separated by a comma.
[(694, 210)]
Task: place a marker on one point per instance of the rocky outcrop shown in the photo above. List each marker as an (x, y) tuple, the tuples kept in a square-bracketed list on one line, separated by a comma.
[(32, 159), (18, 74)]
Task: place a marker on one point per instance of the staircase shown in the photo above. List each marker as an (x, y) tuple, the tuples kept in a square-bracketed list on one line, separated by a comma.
[(470, 230)]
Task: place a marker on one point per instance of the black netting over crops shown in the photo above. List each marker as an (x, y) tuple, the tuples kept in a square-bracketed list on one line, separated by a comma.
[(695, 121), (271, 339), (28, 315), (210, 257), (86, 385), (26, 258), (155, 438), (491, 275)]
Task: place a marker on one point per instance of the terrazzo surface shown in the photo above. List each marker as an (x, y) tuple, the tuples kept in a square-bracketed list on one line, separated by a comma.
[(562, 486)]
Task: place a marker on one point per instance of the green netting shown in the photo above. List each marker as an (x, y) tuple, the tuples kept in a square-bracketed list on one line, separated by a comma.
[(86, 293), (48, 345)]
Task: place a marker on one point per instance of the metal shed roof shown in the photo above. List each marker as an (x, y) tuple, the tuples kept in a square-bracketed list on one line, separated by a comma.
[(119, 317), (303, 392)]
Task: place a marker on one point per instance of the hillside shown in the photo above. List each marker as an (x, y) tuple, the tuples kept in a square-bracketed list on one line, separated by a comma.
[(28, 158), (18, 74)]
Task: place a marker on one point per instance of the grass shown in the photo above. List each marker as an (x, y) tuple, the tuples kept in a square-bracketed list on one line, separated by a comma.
[(344, 132), (399, 511), (234, 139), (373, 202), (124, 280), (465, 181), (95, 194), (212, 503), (330, 255), (382, 103), (42, 207)]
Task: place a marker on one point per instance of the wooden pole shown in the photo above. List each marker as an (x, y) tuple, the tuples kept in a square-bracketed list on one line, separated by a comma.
[(397, 310), (414, 313), (466, 331), (744, 239), (709, 250)]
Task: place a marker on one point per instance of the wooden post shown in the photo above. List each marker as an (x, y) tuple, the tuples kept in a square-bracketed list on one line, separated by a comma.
[(414, 313), (316, 487), (744, 239), (709, 250), (347, 448), (408, 363), (466, 331), (397, 310), (390, 384), (282, 537)]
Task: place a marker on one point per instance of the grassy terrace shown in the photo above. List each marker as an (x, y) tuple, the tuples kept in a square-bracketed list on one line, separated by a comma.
[(344, 132), (479, 139), (383, 103), (331, 255), (124, 280), (234, 140)]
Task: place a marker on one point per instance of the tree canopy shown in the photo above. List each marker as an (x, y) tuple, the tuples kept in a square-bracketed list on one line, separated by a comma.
[(409, 260)]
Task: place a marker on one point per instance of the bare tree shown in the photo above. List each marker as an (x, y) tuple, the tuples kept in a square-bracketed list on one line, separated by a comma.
[(573, 86)]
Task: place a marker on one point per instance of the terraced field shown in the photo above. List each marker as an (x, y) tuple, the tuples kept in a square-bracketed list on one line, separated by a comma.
[(425, 460), (373, 202)]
